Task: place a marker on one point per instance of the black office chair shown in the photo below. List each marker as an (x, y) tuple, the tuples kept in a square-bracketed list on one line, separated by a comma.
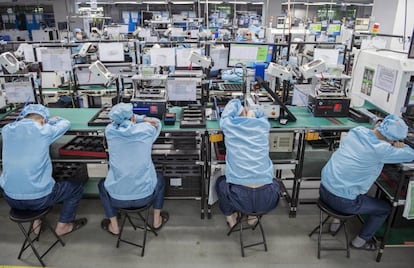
[(24, 217), (241, 224), (325, 208), (136, 214)]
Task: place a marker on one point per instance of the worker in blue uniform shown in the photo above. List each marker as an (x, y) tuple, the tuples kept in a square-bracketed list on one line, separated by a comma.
[(27, 168), (249, 184), (355, 166), (131, 180)]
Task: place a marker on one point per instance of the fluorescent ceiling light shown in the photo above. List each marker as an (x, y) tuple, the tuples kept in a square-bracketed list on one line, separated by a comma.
[(127, 2), (257, 3), (327, 3), (182, 2), (286, 3), (211, 2), (237, 2), (155, 2), (320, 3)]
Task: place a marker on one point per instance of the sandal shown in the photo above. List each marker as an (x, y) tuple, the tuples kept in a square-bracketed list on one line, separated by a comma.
[(77, 224), (105, 226), (164, 218), (369, 245)]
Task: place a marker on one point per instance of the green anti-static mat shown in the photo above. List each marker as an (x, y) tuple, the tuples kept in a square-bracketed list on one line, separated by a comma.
[(398, 236), (91, 187)]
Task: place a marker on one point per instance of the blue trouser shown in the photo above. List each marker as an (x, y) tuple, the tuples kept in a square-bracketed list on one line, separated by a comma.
[(111, 205), (376, 209), (234, 197), (68, 192)]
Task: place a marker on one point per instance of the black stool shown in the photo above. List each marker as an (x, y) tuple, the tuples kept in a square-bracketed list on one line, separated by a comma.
[(135, 213), (22, 217), (324, 208), (242, 224)]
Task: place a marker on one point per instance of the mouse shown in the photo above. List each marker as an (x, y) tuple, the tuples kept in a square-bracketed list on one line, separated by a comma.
[(283, 121)]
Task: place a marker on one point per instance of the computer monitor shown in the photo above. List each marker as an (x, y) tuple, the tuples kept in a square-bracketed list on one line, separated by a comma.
[(333, 29), (182, 89), (411, 49), (361, 24), (315, 28), (249, 54)]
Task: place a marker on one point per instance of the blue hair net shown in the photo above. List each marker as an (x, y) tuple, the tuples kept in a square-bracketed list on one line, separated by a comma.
[(121, 112), (36, 109), (77, 30), (254, 29), (233, 75), (393, 128)]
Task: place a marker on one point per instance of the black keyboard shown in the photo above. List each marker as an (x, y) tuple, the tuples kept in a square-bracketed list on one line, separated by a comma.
[(232, 87)]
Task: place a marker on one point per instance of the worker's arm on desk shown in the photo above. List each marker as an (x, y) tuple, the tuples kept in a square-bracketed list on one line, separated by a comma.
[(398, 154), (56, 127), (139, 118), (148, 125)]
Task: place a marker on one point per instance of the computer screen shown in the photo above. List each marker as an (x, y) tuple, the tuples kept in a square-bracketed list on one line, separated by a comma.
[(56, 59), (164, 56), (248, 54), (111, 52), (315, 28), (361, 24), (411, 50), (333, 29), (182, 89)]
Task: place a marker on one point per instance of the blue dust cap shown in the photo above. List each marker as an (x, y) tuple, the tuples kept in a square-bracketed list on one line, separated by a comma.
[(121, 112), (36, 109), (77, 30), (393, 128)]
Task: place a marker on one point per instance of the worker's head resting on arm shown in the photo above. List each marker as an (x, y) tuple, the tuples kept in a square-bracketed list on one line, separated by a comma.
[(393, 128), (121, 113), (36, 112)]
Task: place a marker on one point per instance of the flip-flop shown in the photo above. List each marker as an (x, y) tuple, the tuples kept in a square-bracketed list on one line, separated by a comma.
[(165, 217), (77, 224), (105, 226)]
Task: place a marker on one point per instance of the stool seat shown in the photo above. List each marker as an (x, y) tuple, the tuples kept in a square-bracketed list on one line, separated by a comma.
[(239, 226), (127, 213), (24, 217), (330, 212), (18, 215)]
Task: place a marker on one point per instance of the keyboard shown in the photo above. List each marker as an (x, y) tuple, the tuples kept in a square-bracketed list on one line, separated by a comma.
[(231, 87)]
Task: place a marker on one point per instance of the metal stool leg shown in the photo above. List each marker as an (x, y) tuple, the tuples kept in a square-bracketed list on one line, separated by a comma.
[(241, 237), (145, 230), (331, 213), (346, 240), (262, 231), (136, 214), (321, 223), (124, 217), (28, 240)]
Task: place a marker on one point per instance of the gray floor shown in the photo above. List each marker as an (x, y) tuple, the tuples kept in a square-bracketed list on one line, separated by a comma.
[(188, 241)]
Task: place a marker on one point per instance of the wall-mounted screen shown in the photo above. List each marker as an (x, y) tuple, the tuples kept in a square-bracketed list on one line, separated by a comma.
[(248, 54), (182, 89), (315, 28), (361, 24), (333, 29)]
